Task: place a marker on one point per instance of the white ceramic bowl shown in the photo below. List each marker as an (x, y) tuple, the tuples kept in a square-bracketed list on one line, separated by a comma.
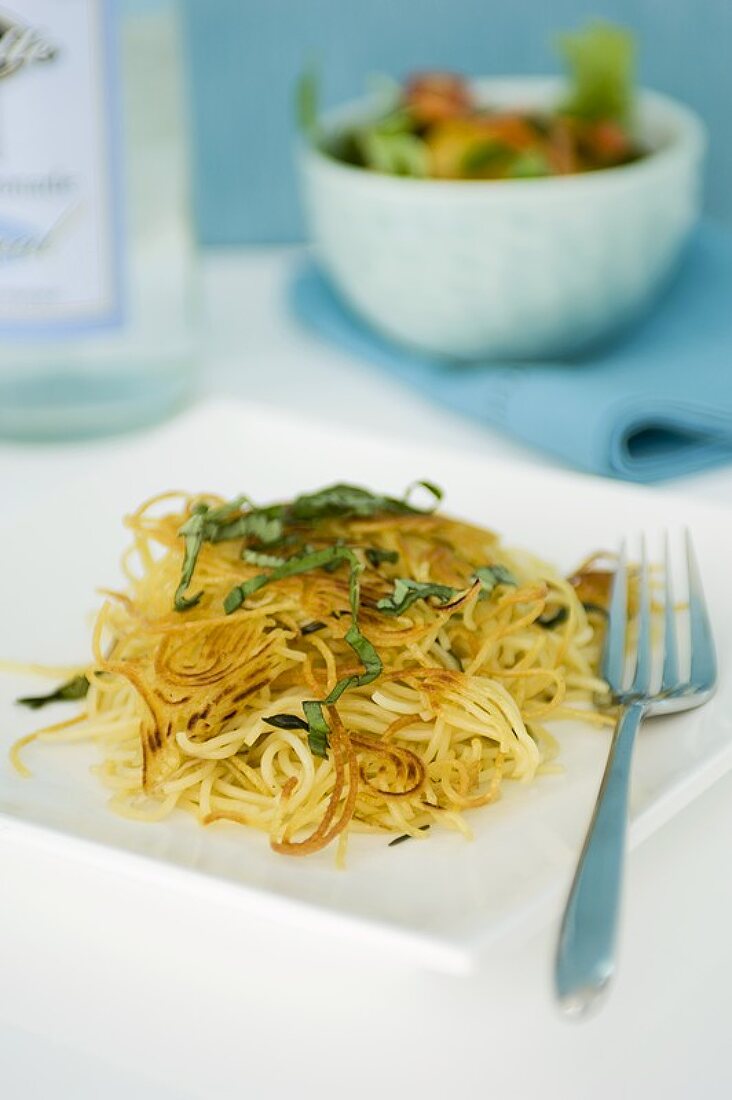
[(517, 269)]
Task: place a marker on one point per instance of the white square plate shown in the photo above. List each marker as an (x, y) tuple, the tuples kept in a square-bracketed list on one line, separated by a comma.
[(442, 900)]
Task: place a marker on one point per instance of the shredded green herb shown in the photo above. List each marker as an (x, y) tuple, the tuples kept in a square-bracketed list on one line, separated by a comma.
[(406, 836), (345, 500), (375, 556), (286, 722), (203, 523), (266, 526), (310, 628), (597, 609), (193, 531), (364, 650), (298, 563), (492, 575), (406, 592), (554, 617), (73, 689), (318, 729), (260, 557), (362, 647)]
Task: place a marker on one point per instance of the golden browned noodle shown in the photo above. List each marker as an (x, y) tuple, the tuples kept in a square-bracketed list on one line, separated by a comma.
[(177, 702)]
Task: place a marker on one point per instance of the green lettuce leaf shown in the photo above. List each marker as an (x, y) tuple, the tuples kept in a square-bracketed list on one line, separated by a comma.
[(307, 95), (601, 63)]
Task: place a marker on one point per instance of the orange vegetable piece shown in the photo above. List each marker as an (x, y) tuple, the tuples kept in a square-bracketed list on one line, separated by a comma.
[(607, 141), (432, 97), (451, 143), (511, 130)]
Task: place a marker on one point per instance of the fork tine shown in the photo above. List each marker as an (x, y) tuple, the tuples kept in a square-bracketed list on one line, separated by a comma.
[(643, 667), (613, 658), (703, 670), (670, 675)]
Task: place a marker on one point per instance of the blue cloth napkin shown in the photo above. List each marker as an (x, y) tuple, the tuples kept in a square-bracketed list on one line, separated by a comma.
[(653, 405)]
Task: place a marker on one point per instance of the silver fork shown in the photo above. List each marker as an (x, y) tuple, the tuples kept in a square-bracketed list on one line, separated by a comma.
[(585, 960)]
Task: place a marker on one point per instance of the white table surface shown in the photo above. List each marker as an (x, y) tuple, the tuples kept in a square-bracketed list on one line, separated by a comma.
[(111, 989)]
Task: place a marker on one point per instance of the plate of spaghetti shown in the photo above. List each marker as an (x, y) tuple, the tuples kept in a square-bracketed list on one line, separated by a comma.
[(280, 689)]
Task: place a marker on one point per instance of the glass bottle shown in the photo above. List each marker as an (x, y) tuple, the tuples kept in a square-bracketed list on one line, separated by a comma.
[(97, 311)]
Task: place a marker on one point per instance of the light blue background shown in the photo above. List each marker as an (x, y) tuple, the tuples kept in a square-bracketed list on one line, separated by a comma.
[(245, 54)]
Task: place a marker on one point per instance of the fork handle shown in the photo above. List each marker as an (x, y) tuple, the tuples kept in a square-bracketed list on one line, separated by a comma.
[(585, 959)]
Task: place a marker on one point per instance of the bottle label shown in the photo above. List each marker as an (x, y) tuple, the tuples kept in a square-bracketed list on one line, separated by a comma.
[(61, 260)]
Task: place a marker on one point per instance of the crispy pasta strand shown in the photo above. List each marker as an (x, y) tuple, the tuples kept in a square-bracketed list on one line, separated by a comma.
[(178, 702)]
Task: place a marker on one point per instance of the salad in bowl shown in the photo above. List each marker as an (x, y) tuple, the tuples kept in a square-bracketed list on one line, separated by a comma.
[(503, 217), (437, 126)]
